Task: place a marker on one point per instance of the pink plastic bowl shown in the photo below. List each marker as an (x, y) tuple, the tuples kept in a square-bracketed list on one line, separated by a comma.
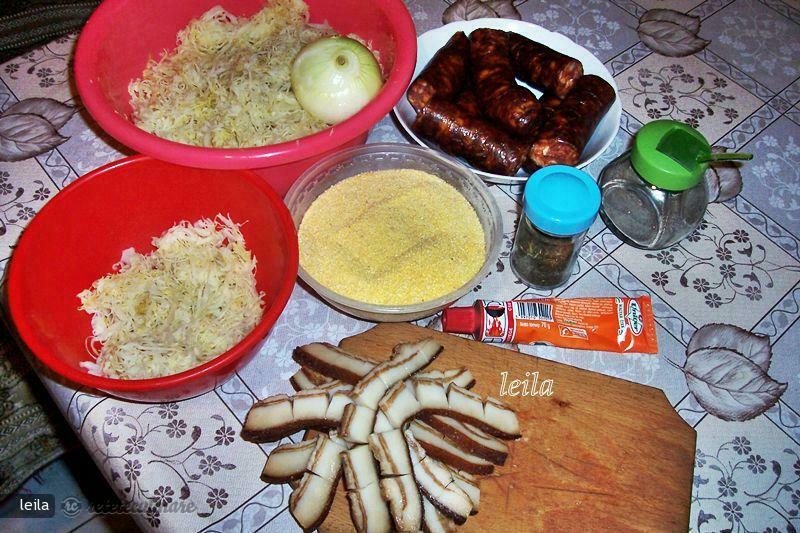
[(80, 233), (122, 35)]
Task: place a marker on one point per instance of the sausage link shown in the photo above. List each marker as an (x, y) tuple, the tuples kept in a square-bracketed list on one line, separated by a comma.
[(543, 67), (463, 135), (549, 102), (570, 125), (444, 74), (467, 101), (508, 104)]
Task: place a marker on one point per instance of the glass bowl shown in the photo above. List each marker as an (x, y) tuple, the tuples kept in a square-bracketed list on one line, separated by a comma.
[(352, 161)]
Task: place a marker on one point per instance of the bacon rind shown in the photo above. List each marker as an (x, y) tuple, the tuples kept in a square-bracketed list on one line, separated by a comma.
[(305, 379), (439, 447), (368, 510), (323, 471), (464, 436), (359, 468), (357, 423), (358, 418), (403, 496), (399, 404), (391, 452), (268, 421), (470, 486), (319, 357), (311, 520), (326, 459), (298, 453), (473, 411), (480, 424), (450, 489), (435, 482), (300, 381), (434, 521), (405, 361)]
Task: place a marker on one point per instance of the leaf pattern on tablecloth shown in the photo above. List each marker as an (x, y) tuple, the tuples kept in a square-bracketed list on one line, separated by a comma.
[(723, 179), (590, 23), (476, 9), (734, 267), (746, 488), (53, 111), (759, 42), (687, 90), (755, 347), (670, 33), (726, 370), (672, 92), (26, 135), (15, 209), (780, 173), (158, 443), (30, 127), (50, 64)]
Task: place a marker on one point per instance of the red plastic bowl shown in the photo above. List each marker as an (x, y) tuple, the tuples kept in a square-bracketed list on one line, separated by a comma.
[(81, 232), (122, 35)]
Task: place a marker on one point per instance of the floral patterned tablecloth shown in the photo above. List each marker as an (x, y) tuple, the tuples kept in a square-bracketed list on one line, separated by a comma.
[(742, 267)]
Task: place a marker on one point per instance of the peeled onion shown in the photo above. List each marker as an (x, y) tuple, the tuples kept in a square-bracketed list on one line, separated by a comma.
[(335, 77)]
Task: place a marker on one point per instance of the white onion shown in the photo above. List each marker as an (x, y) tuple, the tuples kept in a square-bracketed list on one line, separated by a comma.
[(334, 77)]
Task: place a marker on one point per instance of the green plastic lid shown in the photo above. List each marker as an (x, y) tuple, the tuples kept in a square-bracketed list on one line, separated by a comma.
[(670, 155)]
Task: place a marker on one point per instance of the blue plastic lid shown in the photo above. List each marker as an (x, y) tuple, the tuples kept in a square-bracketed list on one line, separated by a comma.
[(561, 200)]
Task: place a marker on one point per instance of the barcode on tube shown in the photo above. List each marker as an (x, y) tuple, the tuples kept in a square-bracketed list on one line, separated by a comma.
[(534, 311)]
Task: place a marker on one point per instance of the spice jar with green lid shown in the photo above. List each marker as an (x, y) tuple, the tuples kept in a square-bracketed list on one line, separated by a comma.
[(559, 205), (654, 195)]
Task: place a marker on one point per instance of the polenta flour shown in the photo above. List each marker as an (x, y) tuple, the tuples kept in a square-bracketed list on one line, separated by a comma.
[(391, 237)]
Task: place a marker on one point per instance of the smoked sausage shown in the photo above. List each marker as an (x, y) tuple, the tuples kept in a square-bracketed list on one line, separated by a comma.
[(569, 126), (444, 75), (506, 103), (463, 135), (467, 101), (543, 67)]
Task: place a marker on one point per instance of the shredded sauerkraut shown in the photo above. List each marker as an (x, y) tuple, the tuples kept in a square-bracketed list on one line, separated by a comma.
[(189, 300), (228, 82)]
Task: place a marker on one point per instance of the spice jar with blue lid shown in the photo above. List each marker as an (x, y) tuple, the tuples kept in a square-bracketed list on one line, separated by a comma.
[(559, 205)]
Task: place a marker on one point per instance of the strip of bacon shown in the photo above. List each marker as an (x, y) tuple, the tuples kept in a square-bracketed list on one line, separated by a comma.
[(279, 416), (288, 462), (367, 509), (435, 482), (312, 500), (470, 439), (439, 447)]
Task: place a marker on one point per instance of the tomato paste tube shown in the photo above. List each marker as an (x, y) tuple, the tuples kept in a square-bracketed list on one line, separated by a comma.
[(605, 324)]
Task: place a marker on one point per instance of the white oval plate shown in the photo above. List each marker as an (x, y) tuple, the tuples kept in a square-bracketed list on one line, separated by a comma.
[(431, 41)]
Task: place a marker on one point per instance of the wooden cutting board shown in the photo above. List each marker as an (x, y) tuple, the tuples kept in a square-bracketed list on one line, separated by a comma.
[(600, 454)]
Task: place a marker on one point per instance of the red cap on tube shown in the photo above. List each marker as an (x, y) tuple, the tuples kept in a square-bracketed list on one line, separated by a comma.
[(460, 320)]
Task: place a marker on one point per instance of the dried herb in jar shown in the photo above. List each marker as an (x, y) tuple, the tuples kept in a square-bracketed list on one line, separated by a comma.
[(559, 205), (540, 259)]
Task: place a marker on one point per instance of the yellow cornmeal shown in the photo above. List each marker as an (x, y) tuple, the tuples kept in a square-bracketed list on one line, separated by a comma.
[(391, 237)]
